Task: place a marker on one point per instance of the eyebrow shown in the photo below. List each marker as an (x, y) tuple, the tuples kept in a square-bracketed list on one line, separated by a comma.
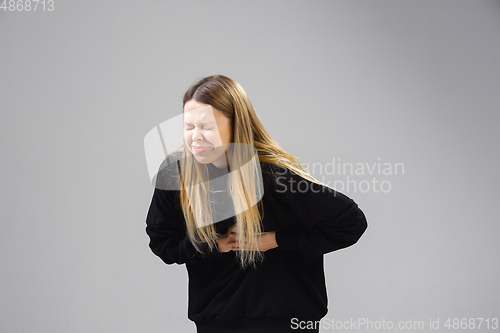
[(203, 123)]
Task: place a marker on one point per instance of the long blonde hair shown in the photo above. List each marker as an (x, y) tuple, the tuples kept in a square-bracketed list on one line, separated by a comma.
[(227, 96)]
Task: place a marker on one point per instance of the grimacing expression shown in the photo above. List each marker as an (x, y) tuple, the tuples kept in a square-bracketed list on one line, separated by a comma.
[(206, 133)]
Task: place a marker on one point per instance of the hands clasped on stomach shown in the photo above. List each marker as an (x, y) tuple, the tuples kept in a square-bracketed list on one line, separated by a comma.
[(231, 242)]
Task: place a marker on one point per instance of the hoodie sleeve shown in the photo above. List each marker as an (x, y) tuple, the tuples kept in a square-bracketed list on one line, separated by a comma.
[(321, 220), (165, 226)]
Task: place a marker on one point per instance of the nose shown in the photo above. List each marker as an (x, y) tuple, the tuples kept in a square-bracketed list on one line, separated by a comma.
[(197, 134)]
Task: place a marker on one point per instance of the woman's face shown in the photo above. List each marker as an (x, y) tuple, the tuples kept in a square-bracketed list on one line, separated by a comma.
[(206, 133)]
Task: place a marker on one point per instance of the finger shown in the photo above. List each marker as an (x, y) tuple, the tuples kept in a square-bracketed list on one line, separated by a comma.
[(238, 245), (242, 246)]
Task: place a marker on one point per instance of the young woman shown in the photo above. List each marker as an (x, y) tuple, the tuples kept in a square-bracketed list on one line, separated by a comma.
[(251, 226)]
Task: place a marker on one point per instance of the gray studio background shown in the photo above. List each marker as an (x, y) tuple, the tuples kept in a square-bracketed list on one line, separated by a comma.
[(412, 82)]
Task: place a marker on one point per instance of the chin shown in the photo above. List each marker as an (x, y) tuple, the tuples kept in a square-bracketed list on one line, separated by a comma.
[(203, 159)]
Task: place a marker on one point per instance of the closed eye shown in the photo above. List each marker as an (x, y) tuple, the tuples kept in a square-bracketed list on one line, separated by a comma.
[(191, 127)]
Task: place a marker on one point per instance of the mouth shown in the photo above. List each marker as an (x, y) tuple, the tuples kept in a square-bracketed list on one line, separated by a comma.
[(200, 149)]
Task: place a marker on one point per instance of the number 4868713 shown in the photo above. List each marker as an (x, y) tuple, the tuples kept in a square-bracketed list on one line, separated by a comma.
[(27, 5)]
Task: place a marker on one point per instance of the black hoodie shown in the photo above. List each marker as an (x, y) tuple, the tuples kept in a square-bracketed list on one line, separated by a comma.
[(310, 220)]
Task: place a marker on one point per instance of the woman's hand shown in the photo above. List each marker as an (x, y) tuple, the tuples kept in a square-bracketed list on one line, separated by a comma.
[(229, 242), (226, 242), (267, 241)]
